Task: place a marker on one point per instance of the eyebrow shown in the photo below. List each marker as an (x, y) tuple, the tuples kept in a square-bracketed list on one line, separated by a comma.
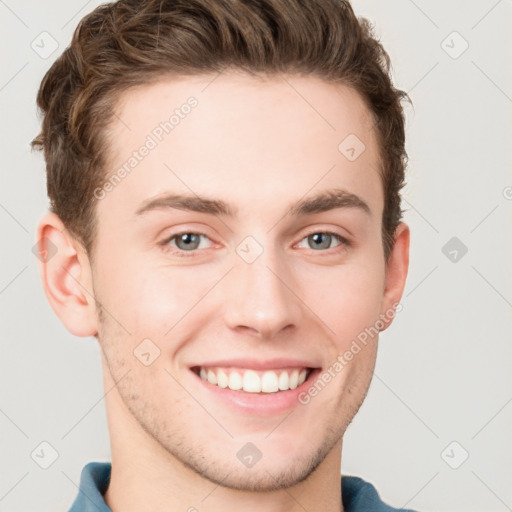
[(321, 202)]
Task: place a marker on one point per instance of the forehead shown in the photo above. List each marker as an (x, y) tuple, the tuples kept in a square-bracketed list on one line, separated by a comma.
[(247, 137)]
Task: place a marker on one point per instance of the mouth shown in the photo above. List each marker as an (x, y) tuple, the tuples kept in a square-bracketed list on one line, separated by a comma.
[(259, 382)]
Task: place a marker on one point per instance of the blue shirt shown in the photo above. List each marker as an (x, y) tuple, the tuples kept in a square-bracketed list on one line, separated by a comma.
[(356, 494)]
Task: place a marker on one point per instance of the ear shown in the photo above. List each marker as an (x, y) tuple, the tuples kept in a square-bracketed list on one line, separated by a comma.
[(66, 276), (396, 274)]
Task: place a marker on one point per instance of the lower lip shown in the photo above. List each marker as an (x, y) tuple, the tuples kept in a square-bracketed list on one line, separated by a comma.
[(258, 403)]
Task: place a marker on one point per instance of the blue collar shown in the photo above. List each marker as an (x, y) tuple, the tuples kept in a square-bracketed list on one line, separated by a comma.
[(357, 495)]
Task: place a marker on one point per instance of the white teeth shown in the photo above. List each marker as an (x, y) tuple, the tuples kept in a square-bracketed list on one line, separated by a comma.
[(235, 381), (269, 382), (222, 379), (251, 381), (294, 379), (284, 381), (212, 378)]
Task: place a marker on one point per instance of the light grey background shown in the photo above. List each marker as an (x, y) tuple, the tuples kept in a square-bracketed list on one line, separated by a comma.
[(444, 368)]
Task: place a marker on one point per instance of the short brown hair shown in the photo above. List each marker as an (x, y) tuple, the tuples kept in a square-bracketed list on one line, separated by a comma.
[(136, 42)]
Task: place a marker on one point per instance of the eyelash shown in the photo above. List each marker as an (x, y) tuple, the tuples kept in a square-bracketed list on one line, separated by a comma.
[(344, 242)]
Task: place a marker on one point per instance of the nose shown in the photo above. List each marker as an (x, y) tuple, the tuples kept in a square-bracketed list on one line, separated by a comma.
[(261, 298)]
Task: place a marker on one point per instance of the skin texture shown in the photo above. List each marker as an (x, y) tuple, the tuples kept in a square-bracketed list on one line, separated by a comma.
[(259, 146)]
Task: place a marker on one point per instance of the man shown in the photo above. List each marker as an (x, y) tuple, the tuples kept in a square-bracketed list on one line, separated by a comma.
[(224, 181)]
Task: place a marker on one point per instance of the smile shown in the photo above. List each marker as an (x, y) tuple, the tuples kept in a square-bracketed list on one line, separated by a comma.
[(253, 381)]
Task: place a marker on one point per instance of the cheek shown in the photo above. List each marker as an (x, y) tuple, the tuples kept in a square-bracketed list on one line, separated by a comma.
[(347, 298), (151, 300)]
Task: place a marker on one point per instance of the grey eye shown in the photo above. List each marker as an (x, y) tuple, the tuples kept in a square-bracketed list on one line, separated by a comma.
[(323, 240), (320, 240), (187, 241)]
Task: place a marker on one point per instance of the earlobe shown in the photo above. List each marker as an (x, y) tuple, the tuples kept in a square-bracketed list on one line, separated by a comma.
[(66, 277), (396, 274)]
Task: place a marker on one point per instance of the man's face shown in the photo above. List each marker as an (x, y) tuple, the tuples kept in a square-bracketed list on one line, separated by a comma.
[(259, 284)]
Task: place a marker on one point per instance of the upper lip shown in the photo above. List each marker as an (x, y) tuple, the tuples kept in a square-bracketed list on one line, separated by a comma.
[(255, 364)]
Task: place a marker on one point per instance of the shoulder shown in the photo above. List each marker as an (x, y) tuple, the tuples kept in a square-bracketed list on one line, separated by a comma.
[(94, 481), (359, 495)]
